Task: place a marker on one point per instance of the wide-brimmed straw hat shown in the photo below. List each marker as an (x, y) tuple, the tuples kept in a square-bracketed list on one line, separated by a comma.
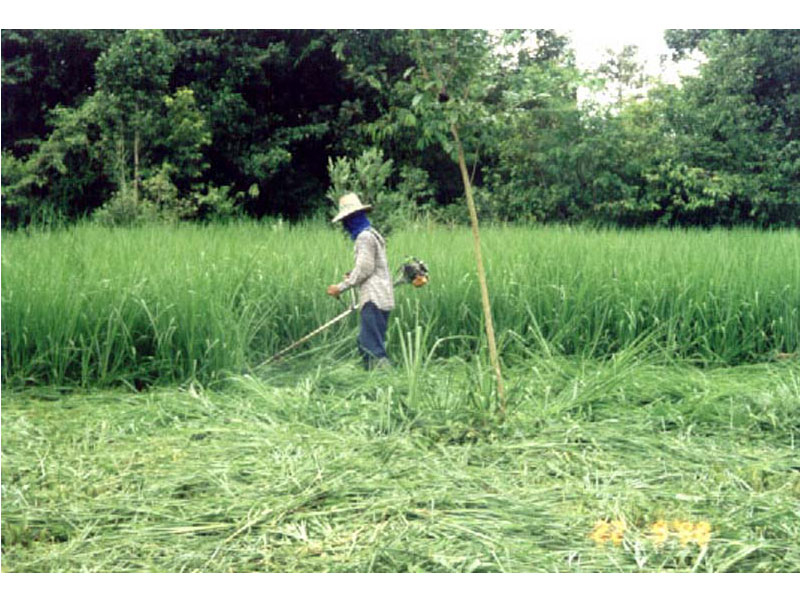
[(349, 204)]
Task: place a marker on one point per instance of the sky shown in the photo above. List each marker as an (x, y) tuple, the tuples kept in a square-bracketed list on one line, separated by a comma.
[(590, 44)]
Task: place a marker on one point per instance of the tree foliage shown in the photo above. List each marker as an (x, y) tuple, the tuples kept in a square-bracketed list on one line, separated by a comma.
[(209, 122)]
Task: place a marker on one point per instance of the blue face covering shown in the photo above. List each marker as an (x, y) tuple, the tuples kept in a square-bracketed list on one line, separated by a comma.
[(356, 223)]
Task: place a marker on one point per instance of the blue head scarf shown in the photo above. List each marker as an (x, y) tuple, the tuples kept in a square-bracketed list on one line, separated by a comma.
[(356, 223)]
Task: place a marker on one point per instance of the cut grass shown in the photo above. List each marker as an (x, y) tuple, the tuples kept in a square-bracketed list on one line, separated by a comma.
[(318, 469)]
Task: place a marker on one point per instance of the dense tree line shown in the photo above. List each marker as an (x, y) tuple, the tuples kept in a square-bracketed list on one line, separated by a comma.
[(196, 124)]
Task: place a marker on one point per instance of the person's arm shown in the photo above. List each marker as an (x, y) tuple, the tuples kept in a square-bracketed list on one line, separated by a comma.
[(365, 263)]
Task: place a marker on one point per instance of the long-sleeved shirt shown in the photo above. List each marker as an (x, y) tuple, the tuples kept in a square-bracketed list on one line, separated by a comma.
[(371, 271)]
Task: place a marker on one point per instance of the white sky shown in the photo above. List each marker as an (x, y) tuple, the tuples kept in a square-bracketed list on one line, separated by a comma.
[(590, 44), (606, 17)]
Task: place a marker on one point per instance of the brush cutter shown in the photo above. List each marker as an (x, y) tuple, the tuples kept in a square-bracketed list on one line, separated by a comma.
[(413, 271)]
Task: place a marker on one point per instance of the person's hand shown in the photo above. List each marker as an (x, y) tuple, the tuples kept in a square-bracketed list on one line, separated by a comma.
[(333, 290)]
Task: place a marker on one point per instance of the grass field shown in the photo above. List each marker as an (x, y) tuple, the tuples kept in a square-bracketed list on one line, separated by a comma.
[(652, 422), (90, 306)]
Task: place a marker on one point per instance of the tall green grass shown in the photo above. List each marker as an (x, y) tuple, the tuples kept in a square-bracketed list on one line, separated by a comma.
[(90, 305)]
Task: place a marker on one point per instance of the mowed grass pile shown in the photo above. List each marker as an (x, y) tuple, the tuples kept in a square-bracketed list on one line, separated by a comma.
[(93, 306), (321, 469)]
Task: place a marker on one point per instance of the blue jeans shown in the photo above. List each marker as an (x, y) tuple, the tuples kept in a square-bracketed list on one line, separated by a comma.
[(372, 334)]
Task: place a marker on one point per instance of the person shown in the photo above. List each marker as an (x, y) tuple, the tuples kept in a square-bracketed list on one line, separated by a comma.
[(372, 278)]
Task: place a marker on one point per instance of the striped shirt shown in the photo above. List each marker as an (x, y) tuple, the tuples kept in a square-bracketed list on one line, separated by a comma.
[(371, 272)]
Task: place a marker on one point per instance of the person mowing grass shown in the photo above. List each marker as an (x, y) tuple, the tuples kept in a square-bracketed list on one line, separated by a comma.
[(372, 278)]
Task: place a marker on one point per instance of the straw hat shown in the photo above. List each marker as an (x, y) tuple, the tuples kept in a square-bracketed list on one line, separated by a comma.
[(349, 204)]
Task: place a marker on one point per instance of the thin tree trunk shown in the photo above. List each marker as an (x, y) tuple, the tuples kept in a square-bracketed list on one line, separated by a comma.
[(487, 307), (121, 163), (136, 167)]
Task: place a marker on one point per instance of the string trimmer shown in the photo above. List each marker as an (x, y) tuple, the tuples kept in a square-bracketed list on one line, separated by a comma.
[(413, 271)]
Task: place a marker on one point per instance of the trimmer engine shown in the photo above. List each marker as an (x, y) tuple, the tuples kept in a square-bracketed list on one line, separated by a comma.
[(413, 271)]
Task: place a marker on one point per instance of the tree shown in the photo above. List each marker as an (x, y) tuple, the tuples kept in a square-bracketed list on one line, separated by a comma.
[(43, 69), (448, 83), (739, 128), (133, 77), (537, 169), (185, 137), (625, 74), (277, 106)]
